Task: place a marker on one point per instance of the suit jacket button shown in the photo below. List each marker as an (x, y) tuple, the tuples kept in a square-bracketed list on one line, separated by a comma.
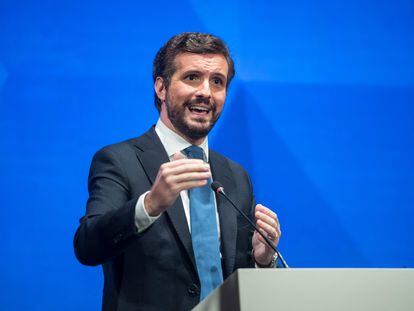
[(193, 290)]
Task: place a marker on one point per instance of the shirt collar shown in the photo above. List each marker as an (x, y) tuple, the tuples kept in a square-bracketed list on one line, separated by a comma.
[(173, 142)]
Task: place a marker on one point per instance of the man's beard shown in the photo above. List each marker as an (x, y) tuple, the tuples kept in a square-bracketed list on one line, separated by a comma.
[(176, 114)]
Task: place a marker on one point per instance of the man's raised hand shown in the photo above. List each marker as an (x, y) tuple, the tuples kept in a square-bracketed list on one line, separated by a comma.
[(173, 177)]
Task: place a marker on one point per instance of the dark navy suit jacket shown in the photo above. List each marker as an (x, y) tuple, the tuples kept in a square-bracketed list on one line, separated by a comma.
[(154, 269)]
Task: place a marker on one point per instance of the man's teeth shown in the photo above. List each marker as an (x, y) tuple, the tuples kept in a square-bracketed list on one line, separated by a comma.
[(199, 109)]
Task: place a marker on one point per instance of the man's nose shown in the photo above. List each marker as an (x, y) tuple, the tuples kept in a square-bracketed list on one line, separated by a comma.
[(203, 89)]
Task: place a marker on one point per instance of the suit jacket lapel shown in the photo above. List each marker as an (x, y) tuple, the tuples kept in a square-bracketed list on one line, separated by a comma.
[(151, 154), (228, 215)]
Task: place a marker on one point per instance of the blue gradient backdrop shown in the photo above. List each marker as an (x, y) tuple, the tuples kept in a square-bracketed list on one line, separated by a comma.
[(321, 114)]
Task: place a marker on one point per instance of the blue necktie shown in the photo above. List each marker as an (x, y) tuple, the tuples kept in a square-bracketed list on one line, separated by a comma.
[(204, 233)]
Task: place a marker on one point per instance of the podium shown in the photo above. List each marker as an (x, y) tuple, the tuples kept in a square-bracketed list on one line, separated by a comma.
[(314, 289)]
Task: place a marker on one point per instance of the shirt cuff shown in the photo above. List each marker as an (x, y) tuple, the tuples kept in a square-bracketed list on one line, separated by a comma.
[(142, 219)]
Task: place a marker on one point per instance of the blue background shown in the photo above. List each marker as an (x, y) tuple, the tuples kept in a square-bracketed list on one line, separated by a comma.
[(321, 113)]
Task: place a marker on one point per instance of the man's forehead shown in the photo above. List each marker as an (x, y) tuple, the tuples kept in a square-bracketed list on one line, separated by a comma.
[(202, 62)]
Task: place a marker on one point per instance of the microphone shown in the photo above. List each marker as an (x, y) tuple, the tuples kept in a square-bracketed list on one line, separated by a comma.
[(218, 188)]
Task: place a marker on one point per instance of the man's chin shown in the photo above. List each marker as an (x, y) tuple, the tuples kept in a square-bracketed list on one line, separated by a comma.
[(198, 119), (199, 129), (198, 122), (196, 129), (192, 126)]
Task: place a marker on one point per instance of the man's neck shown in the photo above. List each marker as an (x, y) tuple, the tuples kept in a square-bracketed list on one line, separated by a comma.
[(197, 141), (174, 142)]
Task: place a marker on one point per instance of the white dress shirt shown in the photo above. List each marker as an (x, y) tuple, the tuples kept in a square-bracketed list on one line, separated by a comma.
[(172, 143)]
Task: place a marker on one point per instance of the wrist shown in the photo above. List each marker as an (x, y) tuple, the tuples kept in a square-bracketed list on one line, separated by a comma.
[(271, 263), (148, 205)]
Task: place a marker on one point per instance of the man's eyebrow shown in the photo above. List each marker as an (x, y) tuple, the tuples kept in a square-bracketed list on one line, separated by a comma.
[(219, 74), (216, 74), (191, 71)]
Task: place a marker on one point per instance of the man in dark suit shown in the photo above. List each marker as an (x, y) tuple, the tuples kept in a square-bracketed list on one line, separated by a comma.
[(141, 218)]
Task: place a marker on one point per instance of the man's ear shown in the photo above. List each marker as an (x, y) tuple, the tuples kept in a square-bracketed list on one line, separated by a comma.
[(159, 87)]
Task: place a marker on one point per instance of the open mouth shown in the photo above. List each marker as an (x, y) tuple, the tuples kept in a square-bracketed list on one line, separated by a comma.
[(199, 110)]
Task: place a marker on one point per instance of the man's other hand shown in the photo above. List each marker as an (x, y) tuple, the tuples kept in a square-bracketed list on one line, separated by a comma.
[(268, 224)]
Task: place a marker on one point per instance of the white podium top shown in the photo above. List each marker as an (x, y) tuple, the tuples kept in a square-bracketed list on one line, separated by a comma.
[(314, 289)]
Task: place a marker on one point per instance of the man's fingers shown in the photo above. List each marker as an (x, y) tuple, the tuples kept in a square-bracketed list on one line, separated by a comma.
[(267, 211), (268, 216), (270, 223), (267, 220), (183, 166), (186, 177), (270, 231), (274, 222), (179, 161)]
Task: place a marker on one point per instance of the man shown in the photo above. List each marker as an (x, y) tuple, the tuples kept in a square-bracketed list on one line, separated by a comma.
[(164, 240)]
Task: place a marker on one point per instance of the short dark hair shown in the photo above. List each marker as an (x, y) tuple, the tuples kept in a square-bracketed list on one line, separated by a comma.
[(192, 42)]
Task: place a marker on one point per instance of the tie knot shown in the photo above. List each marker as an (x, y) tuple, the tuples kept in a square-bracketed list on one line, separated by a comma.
[(194, 152)]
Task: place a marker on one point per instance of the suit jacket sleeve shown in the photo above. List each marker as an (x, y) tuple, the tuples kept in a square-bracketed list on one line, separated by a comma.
[(108, 226)]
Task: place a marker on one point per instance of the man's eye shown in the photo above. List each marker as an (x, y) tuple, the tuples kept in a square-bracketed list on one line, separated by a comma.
[(218, 81), (191, 77)]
